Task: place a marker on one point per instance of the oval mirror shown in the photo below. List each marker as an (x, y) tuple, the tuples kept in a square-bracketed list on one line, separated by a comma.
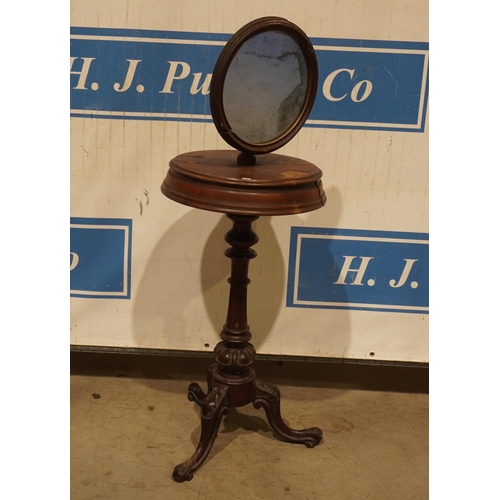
[(263, 85)]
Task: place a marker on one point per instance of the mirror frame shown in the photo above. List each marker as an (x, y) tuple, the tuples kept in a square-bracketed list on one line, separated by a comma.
[(225, 59)]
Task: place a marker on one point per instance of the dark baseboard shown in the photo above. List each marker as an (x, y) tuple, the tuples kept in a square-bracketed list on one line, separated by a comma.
[(285, 370)]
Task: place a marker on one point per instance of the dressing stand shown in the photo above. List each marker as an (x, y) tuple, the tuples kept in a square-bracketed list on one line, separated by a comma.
[(263, 88)]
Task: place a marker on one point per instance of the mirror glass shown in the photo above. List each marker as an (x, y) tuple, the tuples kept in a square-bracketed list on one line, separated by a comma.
[(265, 87)]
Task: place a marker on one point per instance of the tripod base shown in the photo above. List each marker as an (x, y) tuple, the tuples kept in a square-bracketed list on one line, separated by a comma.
[(226, 391)]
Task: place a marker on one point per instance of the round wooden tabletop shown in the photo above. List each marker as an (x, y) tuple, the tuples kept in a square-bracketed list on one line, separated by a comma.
[(275, 185)]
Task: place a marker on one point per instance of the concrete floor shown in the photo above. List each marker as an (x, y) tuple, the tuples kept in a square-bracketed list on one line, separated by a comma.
[(130, 426)]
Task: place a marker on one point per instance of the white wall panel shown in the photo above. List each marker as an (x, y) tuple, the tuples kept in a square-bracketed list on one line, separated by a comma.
[(375, 178)]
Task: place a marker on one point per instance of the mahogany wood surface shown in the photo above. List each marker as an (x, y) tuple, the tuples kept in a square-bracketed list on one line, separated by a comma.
[(275, 185)]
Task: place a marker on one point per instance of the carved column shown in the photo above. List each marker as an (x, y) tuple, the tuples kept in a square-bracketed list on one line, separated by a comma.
[(235, 354)]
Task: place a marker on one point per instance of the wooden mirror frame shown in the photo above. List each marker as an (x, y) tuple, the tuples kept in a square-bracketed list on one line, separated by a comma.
[(225, 59)]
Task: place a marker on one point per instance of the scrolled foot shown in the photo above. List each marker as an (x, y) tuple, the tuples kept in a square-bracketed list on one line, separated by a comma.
[(268, 397), (313, 436), (196, 394), (182, 473)]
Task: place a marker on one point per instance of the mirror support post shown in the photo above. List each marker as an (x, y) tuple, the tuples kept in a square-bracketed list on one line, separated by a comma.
[(247, 159)]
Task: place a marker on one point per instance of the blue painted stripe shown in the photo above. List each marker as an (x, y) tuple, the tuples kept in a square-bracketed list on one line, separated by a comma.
[(224, 37), (370, 44), (135, 33)]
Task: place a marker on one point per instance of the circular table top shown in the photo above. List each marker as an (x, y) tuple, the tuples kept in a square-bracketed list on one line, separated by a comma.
[(275, 185)]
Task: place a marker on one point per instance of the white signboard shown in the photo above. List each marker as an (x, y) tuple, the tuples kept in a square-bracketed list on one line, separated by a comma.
[(348, 281)]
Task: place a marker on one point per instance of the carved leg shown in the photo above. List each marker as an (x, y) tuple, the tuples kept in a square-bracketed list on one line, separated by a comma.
[(268, 397), (213, 408), (195, 392)]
